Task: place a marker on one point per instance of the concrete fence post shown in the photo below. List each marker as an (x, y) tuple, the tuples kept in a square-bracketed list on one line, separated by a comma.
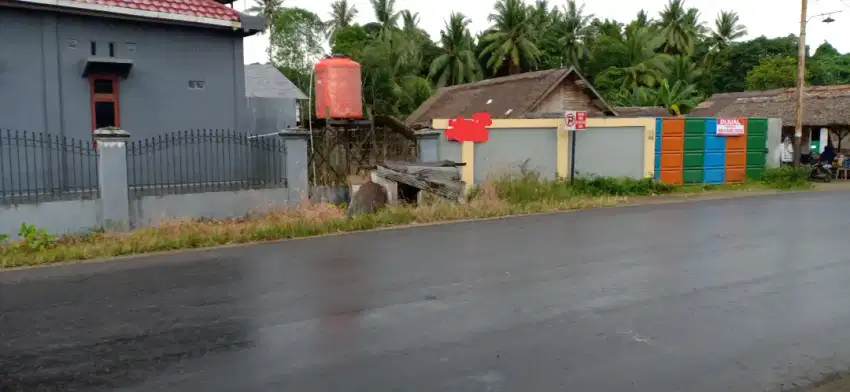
[(296, 146), (112, 178)]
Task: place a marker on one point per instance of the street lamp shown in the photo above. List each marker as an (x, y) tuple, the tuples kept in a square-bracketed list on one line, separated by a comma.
[(801, 76)]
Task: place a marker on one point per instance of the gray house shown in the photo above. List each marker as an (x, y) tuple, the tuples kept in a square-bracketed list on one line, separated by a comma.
[(151, 67), (272, 99)]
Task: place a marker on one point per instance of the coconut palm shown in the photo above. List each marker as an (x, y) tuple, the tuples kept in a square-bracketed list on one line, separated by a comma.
[(575, 30), (641, 20), (684, 69), (510, 38), (679, 26), (727, 28), (678, 97), (267, 9), (385, 13), (342, 15), (409, 21), (457, 63), (646, 67)]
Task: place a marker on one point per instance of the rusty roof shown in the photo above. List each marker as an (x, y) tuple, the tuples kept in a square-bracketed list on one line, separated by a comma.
[(822, 106), (505, 97)]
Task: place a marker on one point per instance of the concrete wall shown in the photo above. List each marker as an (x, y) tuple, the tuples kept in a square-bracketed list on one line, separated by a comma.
[(610, 152), (268, 115), (153, 210), (58, 217), (547, 145), (508, 150), (429, 148), (116, 209), (41, 64), (433, 146)]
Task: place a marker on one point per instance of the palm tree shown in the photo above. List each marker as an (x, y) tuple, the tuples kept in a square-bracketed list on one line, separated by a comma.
[(409, 21), (641, 20), (457, 63), (646, 67), (391, 81), (267, 9), (684, 69), (510, 38), (342, 15), (574, 30), (385, 13), (678, 98), (727, 28), (679, 27)]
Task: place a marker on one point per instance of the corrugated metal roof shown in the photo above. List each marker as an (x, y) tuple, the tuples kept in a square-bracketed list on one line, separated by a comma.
[(266, 81)]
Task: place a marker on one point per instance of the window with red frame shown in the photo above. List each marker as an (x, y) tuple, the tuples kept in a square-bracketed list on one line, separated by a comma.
[(104, 101)]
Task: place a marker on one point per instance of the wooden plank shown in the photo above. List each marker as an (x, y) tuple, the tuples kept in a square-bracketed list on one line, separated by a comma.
[(442, 181)]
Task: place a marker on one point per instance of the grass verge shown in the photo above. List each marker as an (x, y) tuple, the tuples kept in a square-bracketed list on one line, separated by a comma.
[(517, 195)]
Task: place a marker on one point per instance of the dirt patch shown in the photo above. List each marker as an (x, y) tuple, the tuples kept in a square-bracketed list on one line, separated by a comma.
[(834, 383)]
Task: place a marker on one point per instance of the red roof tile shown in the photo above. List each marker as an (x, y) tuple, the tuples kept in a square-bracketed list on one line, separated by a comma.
[(198, 8)]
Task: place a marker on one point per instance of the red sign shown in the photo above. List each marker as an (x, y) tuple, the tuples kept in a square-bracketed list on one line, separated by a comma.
[(474, 130), (730, 127), (576, 120)]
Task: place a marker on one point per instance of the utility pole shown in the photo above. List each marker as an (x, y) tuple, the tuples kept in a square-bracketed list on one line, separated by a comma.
[(801, 82)]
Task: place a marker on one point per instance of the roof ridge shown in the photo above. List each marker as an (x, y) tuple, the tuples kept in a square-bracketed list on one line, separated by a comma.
[(506, 79)]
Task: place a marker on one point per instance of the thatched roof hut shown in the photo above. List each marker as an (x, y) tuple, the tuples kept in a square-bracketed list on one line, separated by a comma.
[(823, 106)]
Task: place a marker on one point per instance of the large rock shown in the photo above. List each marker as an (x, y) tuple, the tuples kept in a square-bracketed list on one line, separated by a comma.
[(368, 199)]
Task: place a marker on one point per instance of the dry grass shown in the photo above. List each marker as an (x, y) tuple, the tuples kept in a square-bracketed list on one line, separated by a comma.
[(306, 219), (513, 195)]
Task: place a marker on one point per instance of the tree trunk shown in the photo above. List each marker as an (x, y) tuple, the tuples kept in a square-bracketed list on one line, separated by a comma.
[(513, 69)]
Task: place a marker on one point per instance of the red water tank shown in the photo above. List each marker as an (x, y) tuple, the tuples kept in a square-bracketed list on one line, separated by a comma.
[(338, 88)]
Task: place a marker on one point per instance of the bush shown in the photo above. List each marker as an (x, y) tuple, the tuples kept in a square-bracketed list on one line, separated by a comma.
[(530, 187), (787, 177), (610, 186)]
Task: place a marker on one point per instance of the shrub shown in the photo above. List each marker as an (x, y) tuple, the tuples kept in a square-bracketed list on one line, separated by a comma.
[(787, 177), (610, 186), (530, 187), (34, 239)]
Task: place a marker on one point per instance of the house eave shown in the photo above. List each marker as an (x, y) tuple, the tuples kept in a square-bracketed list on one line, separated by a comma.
[(107, 11), (106, 65)]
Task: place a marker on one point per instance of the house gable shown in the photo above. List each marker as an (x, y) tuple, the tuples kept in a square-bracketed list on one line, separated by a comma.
[(513, 97), (567, 96)]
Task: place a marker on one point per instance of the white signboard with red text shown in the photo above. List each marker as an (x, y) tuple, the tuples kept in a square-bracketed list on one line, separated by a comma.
[(576, 120), (730, 127)]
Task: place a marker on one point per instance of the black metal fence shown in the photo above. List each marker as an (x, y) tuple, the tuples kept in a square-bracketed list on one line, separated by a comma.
[(205, 160), (37, 167)]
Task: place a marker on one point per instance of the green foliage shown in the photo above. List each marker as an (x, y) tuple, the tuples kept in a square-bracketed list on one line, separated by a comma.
[(529, 186), (295, 43), (669, 59), (510, 42), (772, 73), (730, 66), (787, 177), (351, 41), (609, 186), (34, 239)]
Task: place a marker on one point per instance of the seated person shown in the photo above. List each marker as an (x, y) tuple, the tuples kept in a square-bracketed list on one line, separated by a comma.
[(828, 156)]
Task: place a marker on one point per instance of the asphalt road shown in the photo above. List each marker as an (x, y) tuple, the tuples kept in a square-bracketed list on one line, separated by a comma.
[(732, 295)]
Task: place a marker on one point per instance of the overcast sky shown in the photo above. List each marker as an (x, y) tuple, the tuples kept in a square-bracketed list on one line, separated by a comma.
[(762, 17)]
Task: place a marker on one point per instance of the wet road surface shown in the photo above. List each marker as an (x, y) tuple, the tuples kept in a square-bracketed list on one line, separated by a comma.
[(732, 295)]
